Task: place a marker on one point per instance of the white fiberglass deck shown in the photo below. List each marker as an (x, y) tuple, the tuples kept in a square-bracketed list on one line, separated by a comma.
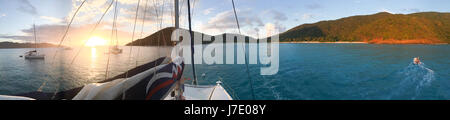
[(205, 92)]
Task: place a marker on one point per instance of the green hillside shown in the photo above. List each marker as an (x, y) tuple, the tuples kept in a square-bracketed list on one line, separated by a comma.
[(427, 27)]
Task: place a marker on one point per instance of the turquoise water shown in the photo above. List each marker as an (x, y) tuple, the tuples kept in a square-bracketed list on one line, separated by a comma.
[(343, 72), (306, 72)]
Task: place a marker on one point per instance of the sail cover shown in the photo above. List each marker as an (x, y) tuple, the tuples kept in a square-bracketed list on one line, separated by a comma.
[(152, 84)]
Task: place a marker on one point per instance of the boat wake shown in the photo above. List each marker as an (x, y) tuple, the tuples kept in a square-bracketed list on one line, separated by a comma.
[(412, 80)]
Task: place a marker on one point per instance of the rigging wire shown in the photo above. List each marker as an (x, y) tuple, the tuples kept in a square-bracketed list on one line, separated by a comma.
[(193, 8), (161, 27), (142, 31), (156, 19), (60, 43), (180, 11), (92, 31), (132, 36), (246, 64), (172, 10), (192, 43), (131, 48), (68, 26), (112, 38)]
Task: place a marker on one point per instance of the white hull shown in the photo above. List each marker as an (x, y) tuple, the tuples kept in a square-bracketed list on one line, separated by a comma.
[(115, 50), (204, 92), (34, 56), (7, 97)]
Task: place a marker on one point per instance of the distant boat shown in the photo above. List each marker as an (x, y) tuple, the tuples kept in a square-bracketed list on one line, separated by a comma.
[(67, 48), (34, 54), (157, 80), (115, 50)]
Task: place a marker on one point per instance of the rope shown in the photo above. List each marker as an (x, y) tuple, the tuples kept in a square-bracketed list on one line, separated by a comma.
[(246, 65)]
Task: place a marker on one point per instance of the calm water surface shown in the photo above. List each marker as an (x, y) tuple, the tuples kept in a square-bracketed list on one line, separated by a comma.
[(306, 72)]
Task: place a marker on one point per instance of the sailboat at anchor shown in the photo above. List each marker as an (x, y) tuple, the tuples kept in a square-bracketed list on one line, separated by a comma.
[(161, 79), (34, 53)]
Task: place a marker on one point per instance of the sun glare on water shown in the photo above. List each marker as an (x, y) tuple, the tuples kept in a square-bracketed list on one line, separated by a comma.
[(96, 41)]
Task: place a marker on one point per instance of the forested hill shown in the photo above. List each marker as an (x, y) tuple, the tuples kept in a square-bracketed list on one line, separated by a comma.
[(159, 38), (25, 45), (381, 28)]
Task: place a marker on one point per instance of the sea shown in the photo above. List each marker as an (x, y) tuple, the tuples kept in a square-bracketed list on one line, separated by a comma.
[(306, 71)]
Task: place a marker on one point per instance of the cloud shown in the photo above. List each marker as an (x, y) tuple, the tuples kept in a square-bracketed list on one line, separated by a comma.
[(51, 19), (90, 10), (128, 2), (386, 10), (17, 37), (207, 11), (27, 7), (413, 10), (157, 12), (2, 15), (313, 6), (274, 28), (307, 16), (225, 20), (153, 14), (52, 33), (276, 15)]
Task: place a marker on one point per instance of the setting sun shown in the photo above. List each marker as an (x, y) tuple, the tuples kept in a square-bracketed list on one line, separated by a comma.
[(96, 41)]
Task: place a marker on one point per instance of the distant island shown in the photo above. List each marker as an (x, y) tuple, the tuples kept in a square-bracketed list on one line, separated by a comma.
[(159, 38), (380, 28), (25, 45), (163, 38)]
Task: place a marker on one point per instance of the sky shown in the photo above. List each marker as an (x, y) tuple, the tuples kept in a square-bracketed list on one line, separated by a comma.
[(257, 18)]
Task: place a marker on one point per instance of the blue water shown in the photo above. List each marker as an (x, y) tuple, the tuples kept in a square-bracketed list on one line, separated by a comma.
[(58, 73), (306, 72), (343, 72)]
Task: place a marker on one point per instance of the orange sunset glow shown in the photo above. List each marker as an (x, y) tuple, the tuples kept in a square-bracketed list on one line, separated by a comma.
[(96, 41)]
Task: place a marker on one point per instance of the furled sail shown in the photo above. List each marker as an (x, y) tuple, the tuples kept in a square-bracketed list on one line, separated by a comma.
[(152, 84)]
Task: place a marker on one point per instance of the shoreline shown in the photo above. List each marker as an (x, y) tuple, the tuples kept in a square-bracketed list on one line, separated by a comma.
[(325, 42), (318, 42)]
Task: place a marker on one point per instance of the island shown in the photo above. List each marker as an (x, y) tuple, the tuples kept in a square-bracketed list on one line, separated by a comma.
[(379, 28), (4, 45)]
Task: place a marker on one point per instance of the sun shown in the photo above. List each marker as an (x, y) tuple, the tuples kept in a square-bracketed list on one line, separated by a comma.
[(96, 41)]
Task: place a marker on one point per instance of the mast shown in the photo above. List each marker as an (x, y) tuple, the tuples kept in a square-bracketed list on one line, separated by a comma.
[(115, 27), (35, 43), (177, 16), (192, 43)]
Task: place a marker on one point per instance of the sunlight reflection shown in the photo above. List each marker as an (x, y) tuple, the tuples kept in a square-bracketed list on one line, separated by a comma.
[(92, 74), (93, 53)]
